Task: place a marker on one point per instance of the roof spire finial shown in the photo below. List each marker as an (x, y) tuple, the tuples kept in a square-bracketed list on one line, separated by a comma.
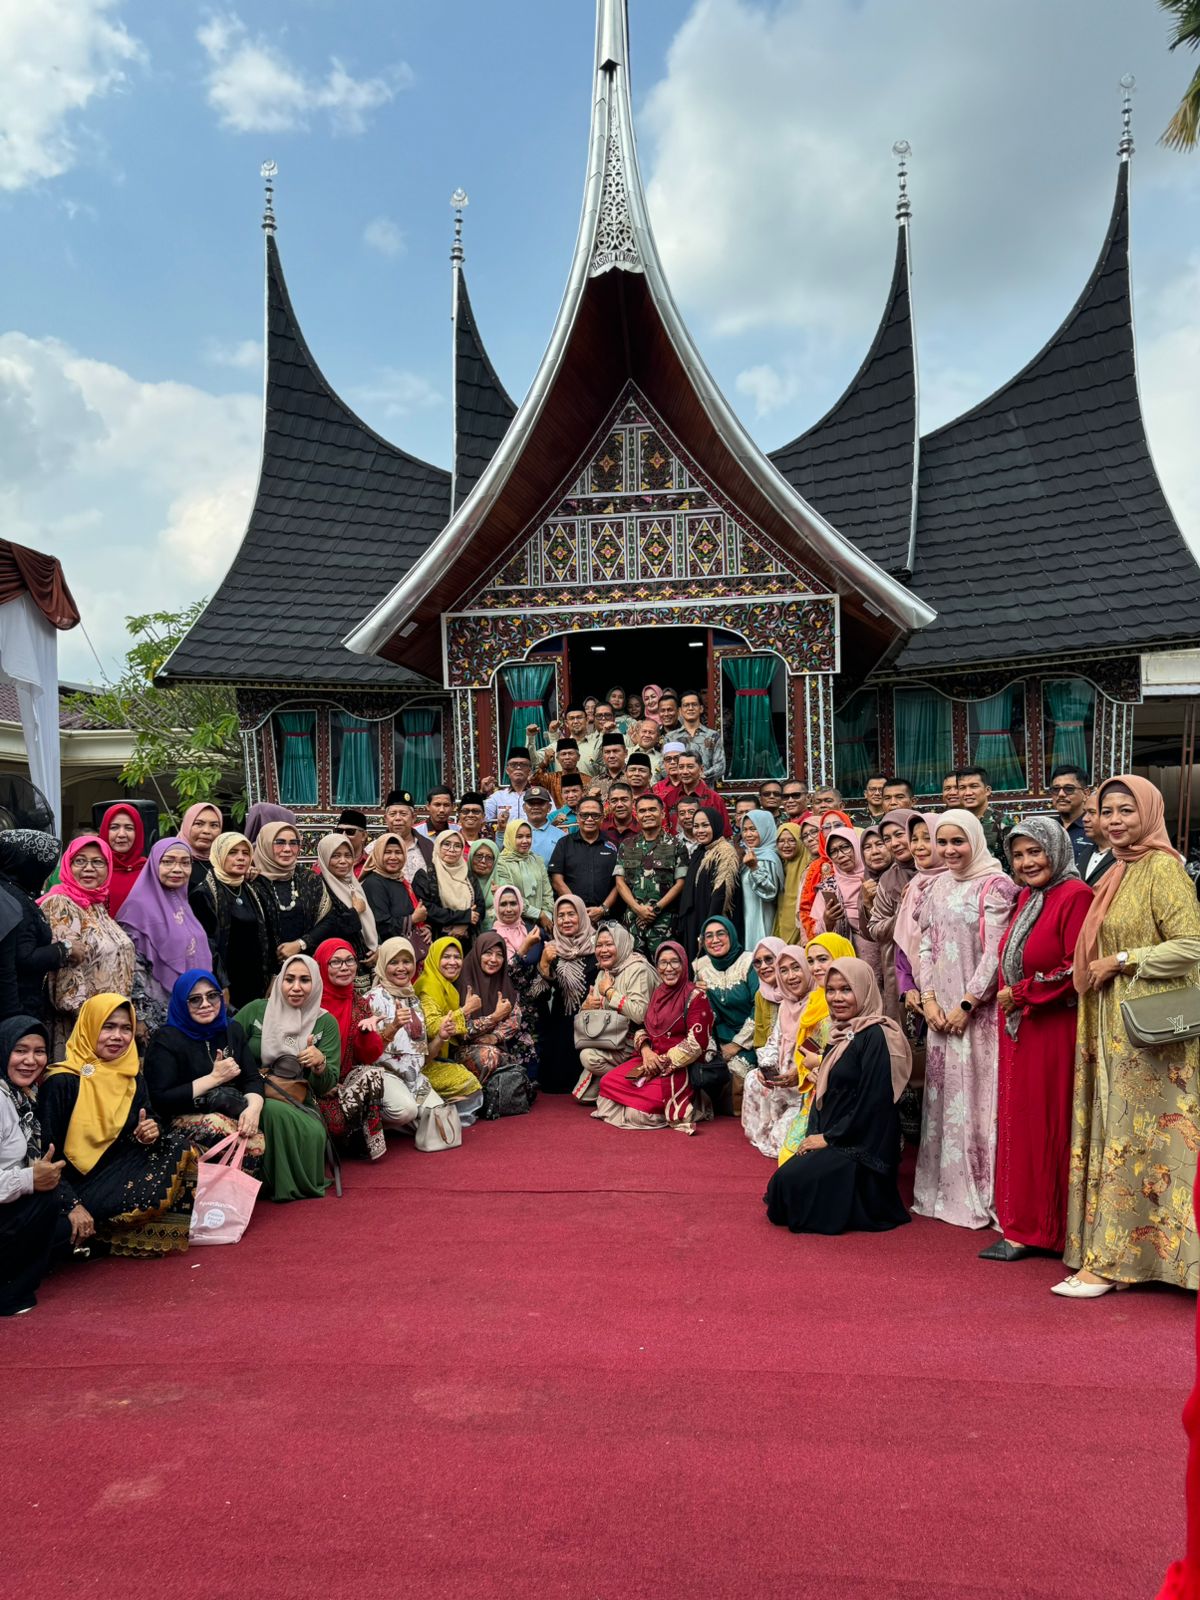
[(902, 150), (1128, 84), (459, 203), (267, 172)]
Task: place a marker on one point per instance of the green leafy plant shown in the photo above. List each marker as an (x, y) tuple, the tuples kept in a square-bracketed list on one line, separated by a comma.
[(1183, 130)]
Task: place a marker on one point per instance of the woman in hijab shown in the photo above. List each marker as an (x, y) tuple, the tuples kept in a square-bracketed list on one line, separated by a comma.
[(400, 1023), (963, 920), (230, 910), (299, 1051), (565, 969), (762, 875), (1135, 1131), (201, 825), (452, 897), (261, 814), (122, 830), (726, 974), (397, 911), (352, 1108), (498, 1052), (203, 1082), (32, 1219), (906, 935), (448, 1020), (76, 910), (510, 922), (843, 1176), (812, 1035), (294, 901), (165, 931), (653, 1090), (651, 695), (885, 904), (614, 1009), (520, 867), (713, 885), (350, 910), (838, 904), (1038, 1004), (770, 995), (26, 860), (819, 871), (774, 1090), (796, 862), (127, 1172)]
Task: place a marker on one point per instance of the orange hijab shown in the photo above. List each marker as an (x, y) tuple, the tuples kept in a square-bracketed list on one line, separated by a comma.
[(1153, 836)]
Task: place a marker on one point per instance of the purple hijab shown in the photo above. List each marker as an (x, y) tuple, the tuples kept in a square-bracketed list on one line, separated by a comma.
[(161, 923), (259, 815)]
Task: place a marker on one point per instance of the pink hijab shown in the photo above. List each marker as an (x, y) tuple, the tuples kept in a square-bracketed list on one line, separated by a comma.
[(791, 1011), (868, 1012), (649, 714), (67, 886), (906, 935), (189, 816), (770, 991), (849, 884), (514, 934)]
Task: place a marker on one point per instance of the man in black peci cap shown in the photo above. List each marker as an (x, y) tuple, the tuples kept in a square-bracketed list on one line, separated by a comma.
[(353, 825), (399, 815)]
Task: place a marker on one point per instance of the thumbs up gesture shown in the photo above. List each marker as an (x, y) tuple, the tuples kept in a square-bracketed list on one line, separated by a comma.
[(311, 1057), (472, 1004), (47, 1171), (146, 1131)]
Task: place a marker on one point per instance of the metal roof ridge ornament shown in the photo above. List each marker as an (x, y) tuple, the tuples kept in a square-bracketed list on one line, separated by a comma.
[(615, 244), (902, 150), (459, 203), (268, 173), (1127, 86)]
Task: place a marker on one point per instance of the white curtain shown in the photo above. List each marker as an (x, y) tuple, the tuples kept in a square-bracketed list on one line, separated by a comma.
[(29, 659)]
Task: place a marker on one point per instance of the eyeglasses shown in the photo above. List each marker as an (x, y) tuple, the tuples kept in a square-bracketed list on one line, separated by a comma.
[(763, 961), (1064, 788), (342, 961), (287, 844), (201, 1002)]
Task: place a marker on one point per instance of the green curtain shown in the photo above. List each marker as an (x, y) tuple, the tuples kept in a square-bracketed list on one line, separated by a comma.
[(528, 687), (421, 768), (298, 770), (924, 738), (1071, 703), (358, 765), (995, 747), (855, 741), (755, 750)]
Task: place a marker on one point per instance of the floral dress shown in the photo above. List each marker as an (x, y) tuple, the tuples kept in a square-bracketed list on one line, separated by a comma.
[(405, 1085), (109, 967)]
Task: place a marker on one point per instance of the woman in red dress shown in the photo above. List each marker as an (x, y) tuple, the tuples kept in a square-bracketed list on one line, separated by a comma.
[(1037, 1042)]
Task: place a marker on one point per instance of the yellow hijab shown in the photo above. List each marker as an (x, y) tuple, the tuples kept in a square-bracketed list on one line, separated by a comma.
[(816, 1007), (106, 1088), (786, 926), (437, 995)]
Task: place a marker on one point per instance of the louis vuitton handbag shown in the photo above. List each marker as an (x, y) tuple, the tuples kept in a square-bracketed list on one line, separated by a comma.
[(1155, 1020)]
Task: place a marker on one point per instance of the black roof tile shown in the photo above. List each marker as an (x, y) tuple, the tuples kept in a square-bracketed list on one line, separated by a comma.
[(340, 514), (1052, 476), (855, 466), (483, 409)]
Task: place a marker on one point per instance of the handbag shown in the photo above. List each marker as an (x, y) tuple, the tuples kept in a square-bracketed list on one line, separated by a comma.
[(439, 1126), (225, 1195), (599, 1030), (1153, 1021)]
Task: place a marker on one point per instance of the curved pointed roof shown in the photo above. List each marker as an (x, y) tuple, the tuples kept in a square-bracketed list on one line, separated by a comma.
[(617, 323), (482, 408), (1042, 525), (859, 462), (336, 505)]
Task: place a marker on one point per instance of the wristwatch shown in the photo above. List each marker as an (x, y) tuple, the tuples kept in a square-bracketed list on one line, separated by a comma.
[(966, 1005), (1122, 960)]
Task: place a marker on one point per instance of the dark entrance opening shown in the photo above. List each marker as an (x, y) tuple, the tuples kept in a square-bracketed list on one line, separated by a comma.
[(674, 658)]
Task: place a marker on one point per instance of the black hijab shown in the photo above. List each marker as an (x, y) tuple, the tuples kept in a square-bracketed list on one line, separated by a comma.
[(12, 1029), (27, 858)]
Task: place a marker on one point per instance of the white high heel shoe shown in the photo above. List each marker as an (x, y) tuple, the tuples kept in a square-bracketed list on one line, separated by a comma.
[(1074, 1288)]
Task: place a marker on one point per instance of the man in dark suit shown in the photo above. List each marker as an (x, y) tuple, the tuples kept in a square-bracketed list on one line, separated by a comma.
[(1069, 792), (1098, 857)]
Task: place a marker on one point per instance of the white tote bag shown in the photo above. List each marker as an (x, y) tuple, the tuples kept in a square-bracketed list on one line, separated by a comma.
[(439, 1126)]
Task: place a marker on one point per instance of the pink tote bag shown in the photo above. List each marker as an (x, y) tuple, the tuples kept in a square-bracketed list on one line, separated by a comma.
[(225, 1195)]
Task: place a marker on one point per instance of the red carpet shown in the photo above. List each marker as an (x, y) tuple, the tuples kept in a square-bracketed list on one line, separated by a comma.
[(570, 1361)]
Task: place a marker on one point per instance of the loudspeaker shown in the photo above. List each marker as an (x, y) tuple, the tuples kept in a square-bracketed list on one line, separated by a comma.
[(146, 809)]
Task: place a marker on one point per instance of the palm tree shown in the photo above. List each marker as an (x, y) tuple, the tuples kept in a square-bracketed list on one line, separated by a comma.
[(1183, 130)]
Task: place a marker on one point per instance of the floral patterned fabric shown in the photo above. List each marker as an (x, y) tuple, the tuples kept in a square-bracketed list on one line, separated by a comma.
[(1136, 1119)]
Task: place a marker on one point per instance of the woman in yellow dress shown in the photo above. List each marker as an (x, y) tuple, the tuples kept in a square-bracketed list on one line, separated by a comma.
[(1136, 1118), (446, 1018), (813, 1033)]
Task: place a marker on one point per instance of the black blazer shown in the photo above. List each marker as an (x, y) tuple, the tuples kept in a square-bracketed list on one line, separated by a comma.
[(1102, 866), (440, 918)]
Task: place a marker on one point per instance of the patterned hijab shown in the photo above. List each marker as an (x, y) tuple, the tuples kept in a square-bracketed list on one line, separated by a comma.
[(1053, 838), (27, 858), (11, 1030), (570, 969), (219, 854)]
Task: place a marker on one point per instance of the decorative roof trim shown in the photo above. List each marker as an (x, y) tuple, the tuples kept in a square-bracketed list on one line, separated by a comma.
[(612, 118)]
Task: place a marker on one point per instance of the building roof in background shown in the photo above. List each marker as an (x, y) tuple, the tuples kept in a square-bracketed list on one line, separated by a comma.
[(482, 407)]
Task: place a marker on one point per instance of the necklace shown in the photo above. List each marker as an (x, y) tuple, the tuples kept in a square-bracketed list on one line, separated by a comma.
[(286, 905)]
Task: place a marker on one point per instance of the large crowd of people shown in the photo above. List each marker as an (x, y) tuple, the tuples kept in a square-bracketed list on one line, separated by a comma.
[(1015, 997)]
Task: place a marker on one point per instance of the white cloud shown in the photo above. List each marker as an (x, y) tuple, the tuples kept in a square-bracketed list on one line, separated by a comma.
[(244, 355), (141, 489), (1169, 378), (382, 234), (395, 392), (255, 88), (767, 387), (56, 58)]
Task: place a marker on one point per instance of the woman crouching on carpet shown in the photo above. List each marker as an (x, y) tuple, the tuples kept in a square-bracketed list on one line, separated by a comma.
[(843, 1176), (125, 1172), (447, 1018), (653, 1090), (500, 1051), (352, 1108)]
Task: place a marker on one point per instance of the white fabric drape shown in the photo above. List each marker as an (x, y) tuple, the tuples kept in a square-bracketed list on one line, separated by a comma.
[(29, 660)]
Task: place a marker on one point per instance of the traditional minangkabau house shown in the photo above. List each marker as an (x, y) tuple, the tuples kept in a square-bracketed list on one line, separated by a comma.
[(864, 597)]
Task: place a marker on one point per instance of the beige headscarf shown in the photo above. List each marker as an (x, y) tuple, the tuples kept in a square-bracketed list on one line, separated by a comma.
[(346, 890), (373, 860), (388, 951), (1153, 836), (264, 858), (455, 890), (221, 846), (285, 1029), (868, 1013)]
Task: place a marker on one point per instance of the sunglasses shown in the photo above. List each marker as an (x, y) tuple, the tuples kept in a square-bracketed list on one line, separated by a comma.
[(201, 1002)]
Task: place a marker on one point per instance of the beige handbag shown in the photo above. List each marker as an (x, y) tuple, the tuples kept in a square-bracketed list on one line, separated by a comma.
[(1155, 1020), (439, 1126)]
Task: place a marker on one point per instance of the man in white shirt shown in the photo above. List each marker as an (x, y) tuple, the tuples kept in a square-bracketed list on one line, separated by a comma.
[(508, 804)]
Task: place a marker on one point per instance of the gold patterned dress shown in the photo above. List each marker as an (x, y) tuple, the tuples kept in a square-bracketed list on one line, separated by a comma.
[(1136, 1117)]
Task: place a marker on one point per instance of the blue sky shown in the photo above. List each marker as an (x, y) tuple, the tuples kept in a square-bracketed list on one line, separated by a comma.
[(131, 134)]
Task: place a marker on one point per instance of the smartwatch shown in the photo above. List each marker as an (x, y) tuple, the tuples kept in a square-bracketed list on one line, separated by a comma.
[(966, 1005)]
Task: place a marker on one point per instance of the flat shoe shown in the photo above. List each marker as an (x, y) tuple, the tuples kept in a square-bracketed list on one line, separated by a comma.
[(1074, 1288), (1002, 1250)]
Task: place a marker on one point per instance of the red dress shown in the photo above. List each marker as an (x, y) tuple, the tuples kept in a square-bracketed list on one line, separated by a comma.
[(1037, 1075), (1183, 1577)]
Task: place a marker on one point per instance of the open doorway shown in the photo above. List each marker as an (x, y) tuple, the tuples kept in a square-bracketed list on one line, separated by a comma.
[(632, 657)]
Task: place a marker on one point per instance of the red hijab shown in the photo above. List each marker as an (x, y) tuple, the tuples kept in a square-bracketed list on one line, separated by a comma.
[(127, 864), (666, 1015), (337, 998)]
